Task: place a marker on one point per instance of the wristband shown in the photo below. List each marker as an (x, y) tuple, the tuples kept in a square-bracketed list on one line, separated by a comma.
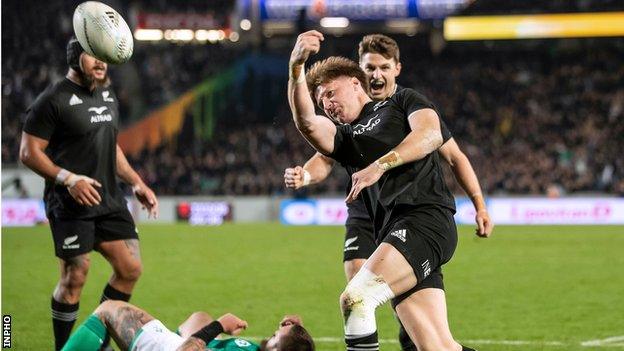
[(209, 332), (306, 178), (62, 176), (389, 160)]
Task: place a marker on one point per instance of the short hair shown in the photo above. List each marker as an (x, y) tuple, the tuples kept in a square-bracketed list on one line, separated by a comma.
[(298, 339), (331, 68), (379, 44)]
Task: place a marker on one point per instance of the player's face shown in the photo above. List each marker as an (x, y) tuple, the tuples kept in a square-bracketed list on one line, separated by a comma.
[(339, 99), (93, 69), (381, 73), (274, 342)]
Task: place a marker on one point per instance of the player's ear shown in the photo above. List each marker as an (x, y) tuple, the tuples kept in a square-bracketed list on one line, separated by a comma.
[(355, 82), (398, 69)]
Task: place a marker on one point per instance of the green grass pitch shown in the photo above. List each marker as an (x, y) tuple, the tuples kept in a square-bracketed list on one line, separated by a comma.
[(526, 288)]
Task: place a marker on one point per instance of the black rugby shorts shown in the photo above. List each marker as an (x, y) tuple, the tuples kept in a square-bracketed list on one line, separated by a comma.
[(73, 237), (359, 240)]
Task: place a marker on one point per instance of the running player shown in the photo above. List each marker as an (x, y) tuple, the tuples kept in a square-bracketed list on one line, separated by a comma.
[(380, 60), (389, 148), (70, 139)]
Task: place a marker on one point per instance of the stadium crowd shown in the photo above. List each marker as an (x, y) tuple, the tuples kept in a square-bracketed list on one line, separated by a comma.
[(543, 119)]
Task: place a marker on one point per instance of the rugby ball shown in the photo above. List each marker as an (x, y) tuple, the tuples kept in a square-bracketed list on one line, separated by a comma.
[(102, 32)]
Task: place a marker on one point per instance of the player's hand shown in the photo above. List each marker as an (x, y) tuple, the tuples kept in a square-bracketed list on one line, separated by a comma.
[(231, 324), (307, 43), (293, 177), (82, 189), (290, 320), (147, 198), (484, 224), (362, 179)]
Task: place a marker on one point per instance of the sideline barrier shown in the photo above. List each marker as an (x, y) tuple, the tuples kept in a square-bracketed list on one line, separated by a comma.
[(514, 211)]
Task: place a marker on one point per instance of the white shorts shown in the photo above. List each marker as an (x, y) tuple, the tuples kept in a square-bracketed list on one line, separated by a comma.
[(154, 336)]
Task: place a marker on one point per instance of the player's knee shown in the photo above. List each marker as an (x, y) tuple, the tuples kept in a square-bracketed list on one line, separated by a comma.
[(74, 276), (131, 272)]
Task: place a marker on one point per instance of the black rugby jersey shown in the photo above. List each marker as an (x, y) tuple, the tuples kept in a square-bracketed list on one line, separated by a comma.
[(380, 127), (357, 209), (81, 127)]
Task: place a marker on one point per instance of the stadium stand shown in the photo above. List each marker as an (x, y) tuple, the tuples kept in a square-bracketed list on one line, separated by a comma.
[(535, 118)]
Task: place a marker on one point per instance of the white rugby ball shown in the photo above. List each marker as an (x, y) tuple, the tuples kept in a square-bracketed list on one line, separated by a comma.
[(102, 32)]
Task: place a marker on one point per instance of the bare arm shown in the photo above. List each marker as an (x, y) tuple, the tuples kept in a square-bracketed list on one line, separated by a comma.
[(143, 193), (318, 130), (80, 187), (424, 138), (314, 171), (467, 178)]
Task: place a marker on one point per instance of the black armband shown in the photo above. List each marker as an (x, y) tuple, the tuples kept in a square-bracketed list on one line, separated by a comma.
[(209, 332)]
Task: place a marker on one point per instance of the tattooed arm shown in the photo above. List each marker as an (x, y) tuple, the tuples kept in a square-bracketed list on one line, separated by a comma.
[(122, 320), (228, 323)]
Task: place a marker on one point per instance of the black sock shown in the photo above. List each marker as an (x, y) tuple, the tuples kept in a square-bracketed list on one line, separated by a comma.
[(406, 342), (464, 348), (111, 293), (63, 318), (368, 343)]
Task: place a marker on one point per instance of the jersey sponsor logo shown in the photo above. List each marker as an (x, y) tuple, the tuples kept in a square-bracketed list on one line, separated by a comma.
[(348, 243), (68, 243), (379, 104), (400, 234), (361, 128), (74, 100), (99, 117), (242, 343), (426, 266), (106, 97), (98, 110)]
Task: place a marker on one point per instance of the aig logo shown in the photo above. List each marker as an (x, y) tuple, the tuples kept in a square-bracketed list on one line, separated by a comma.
[(361, 128)]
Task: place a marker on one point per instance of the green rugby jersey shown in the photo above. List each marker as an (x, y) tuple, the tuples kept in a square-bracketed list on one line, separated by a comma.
[(232, 344)]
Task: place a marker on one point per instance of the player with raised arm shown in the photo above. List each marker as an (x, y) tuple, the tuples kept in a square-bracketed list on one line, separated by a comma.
[(380, 59), (389, 149), (134, 329), (70, 139)]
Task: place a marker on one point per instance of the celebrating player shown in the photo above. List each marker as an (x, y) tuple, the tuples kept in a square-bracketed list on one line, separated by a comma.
[(380, 60), (134, 329), (388, 147), (70, 139)]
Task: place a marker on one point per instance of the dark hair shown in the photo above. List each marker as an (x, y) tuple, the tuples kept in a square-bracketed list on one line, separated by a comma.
[(297, 339), (379, 44), (331, 68)]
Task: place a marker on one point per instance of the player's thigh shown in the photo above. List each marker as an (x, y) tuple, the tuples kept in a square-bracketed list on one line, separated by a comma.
[(424, 316), (118, 240), (194, 323), (390, 264)]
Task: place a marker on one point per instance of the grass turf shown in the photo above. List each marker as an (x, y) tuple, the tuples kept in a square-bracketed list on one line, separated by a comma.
[(526, 288)]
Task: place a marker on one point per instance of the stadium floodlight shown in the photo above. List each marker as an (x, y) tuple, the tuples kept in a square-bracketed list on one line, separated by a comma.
[(148, 34), (245, 24), (179, 34), (334, 22), (234, 37)]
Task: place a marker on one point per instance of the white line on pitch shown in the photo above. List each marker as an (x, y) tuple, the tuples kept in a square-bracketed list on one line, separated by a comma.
[(608, 342)]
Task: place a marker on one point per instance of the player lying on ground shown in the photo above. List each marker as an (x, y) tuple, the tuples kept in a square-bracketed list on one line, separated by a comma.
[(379, 57), (388, 148), (134, 329)]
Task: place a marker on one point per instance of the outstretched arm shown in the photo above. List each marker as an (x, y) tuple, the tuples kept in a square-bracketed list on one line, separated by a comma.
[(466, 177), (424, 138), (318, 130), (314, 171), (228, 323)]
